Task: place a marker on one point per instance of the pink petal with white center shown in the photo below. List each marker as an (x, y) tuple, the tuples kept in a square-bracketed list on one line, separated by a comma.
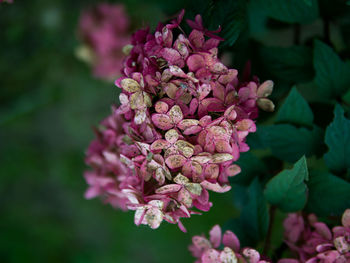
[(195, 62), (170, 188), (161, 107), (177, 72), (162, 121), (139, 215), (187, 123), (215, 187), (154, 217), (231, 240), (185, 197), (159, 145), (215, 236), (203, 91), (175, 161), (228, 256), (221, 157), (175, 114), (211, 256), (171, 136)]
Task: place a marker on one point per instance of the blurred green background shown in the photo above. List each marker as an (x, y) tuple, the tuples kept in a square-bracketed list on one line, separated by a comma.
[(49, 101)]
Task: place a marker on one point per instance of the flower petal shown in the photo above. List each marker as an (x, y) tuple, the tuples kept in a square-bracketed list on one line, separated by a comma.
[(130, 85), (162, 121), (175, 114), (169, 188), (215, 236), (221, 157), (215, 187), (231, 240), (175, 161)]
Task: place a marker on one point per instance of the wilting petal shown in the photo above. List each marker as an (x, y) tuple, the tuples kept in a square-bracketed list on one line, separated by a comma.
[(175, 161), (195, 62), (194, 188), (185, 197), (228, 256), (221, 157), (154, 217), (223, 146), (171, 136), (162, 121), (215, 236), (169, 188), (233, 170), (159, 145), (130, 85), (187, 123), (175, 114), (215, 187), (265, 89)]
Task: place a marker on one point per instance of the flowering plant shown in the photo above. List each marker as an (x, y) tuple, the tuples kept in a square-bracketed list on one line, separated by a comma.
[(182, 122)]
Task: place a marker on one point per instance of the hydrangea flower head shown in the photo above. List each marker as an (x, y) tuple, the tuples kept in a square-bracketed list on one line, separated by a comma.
[(314, 242), (222, 249), (104, 30), (181, 125)]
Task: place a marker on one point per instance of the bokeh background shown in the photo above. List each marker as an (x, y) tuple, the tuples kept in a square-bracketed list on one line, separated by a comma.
[(49, 102)]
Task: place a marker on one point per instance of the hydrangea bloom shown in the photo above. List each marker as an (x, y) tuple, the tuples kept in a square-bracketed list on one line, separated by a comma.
[(207, 251), (314, 242), (182, 122), (104, 30)]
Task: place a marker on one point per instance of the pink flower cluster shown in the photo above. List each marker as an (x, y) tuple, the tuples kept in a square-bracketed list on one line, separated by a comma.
[(105, 31), (182, 122), (314, 242), (207, 251)]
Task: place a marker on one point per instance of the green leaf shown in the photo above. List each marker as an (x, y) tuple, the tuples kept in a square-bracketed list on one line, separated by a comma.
[(231, 15), (251, 227), (251, 167), (332, 74), (329, 195), (289, 143), (291, 11), (287, 190), (338, 141), (293, 64), (295, 110)]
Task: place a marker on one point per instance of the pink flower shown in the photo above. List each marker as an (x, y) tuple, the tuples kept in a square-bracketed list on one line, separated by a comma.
[(104, 29), (179, 129), (207, 251), (315, 242)]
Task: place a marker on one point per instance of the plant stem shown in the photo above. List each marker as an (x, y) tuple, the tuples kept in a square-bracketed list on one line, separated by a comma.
[(267, 244)]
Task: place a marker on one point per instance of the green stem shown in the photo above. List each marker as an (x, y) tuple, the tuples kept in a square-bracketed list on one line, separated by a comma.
[(267, 244)]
